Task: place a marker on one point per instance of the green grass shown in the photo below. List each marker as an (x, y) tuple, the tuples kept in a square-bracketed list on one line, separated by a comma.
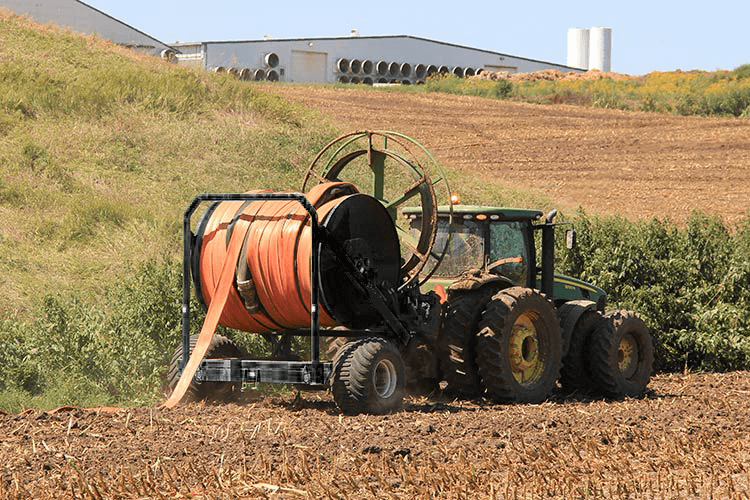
[(101, 149)]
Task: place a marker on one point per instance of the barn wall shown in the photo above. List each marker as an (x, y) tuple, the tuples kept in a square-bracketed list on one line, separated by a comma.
[(315, 59)]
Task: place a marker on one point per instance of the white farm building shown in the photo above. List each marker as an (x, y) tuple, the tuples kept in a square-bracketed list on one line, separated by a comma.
[(403, 59), (351, 59)]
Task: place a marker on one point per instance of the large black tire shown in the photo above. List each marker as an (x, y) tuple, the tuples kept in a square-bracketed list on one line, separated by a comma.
[(575, 374), (622, 357), (457, 342), (368, 376), (221, 347), (518, 346), (569, 313)]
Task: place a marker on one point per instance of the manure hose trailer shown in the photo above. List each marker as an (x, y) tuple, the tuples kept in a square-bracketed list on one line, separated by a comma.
[(331, 262)]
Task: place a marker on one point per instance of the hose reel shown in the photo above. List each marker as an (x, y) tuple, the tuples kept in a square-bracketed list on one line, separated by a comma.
[(399, 172)]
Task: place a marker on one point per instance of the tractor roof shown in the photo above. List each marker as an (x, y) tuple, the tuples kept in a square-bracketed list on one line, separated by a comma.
[(474, 210)]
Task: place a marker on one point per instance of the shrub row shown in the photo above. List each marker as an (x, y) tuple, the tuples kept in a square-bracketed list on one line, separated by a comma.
[(691, 284), (721, 93)]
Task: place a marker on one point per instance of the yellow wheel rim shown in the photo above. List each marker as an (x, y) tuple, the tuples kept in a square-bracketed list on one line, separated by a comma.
[(525, 363), (627, 355)]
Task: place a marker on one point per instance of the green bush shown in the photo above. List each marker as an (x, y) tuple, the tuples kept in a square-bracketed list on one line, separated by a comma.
[(741, 72), (452, 84), (113, 351), (503, 88), (689, 283)]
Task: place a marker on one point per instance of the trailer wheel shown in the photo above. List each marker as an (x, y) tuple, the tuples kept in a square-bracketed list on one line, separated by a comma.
[(576, 373), (333, 345), (368, 376), (622, 356), (457, 343), (221, 347), (518, 346)]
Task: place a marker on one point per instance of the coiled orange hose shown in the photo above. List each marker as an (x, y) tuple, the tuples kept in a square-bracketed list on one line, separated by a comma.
[(277, 252)]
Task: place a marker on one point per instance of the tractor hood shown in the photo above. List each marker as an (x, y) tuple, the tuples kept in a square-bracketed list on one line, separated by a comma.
[(567, 288)]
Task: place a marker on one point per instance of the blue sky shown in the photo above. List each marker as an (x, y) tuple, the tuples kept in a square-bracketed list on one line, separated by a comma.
[(646, 35)]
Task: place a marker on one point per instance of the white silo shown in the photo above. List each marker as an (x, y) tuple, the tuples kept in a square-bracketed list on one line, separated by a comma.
[(600, 49), (578, 48)]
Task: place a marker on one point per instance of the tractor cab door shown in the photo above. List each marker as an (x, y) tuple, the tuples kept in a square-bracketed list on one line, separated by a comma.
[(465, 247)]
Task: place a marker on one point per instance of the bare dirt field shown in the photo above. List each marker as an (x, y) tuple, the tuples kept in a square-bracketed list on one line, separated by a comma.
[(687, 438), (633, 164)]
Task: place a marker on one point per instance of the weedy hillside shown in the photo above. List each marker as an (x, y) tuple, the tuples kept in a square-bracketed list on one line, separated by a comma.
[(101, 150)]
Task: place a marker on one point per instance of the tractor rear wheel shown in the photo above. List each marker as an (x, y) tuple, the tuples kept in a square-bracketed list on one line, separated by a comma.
[(622, 356), (457, 343), (519, 346), (221, 347), (368, 376), (576, 373)]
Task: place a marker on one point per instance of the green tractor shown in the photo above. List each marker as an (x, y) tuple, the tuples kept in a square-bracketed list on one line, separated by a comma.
[(510, 327), (513, 327)]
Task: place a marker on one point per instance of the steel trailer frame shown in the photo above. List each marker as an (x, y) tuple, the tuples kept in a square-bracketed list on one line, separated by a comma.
[(314, 371)]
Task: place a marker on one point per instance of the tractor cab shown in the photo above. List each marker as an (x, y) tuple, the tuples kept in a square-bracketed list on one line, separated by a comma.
[(494, 244)]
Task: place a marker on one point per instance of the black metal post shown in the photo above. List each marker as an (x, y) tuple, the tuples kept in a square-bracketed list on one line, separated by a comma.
[(548, 260)]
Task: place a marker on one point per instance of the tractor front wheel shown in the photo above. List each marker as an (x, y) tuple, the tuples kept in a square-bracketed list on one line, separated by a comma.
[(457, 342)]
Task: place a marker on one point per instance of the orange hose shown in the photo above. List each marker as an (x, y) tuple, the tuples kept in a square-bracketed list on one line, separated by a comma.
[(277, 252), (215, 309), (260, 236), (276, 238)]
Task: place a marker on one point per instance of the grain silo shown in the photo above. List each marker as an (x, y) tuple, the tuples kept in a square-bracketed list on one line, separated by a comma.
[(600, 49), (578, 48)]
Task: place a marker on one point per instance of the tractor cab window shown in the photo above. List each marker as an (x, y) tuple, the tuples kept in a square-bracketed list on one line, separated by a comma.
[(507, 254), (465, 249)]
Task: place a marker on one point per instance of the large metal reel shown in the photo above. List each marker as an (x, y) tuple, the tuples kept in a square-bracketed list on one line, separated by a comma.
[(403, 175)]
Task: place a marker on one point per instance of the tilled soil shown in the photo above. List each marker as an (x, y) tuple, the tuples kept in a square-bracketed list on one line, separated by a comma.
[(634, 164), (687, 438)]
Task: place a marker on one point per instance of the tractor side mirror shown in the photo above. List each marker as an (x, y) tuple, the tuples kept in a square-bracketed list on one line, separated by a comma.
[(570, 239)]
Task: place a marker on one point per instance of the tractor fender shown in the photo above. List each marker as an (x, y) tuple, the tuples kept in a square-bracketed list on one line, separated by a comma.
[(476, 279), (569, 313)]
